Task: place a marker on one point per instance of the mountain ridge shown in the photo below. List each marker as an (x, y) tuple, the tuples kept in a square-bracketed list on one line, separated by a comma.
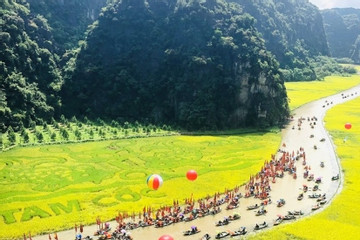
[(198, 64)]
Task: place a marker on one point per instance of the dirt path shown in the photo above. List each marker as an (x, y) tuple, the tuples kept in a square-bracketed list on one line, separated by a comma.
[(286, 188)]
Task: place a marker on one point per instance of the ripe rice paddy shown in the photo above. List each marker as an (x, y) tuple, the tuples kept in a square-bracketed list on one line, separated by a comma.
[(52, 187), (300, 93)]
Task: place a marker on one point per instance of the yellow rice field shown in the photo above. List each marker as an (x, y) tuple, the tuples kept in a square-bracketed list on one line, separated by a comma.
[(300, 93), (53, 187)]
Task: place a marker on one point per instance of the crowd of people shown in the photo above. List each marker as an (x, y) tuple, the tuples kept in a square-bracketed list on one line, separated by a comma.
[(258, 186)]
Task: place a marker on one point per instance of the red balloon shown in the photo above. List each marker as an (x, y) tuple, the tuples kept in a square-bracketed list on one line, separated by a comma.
[(166, 237), (191, 175), (348, 125)]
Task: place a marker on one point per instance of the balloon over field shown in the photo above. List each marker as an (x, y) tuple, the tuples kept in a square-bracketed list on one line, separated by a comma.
[(166, 237), (348, 125), (191, 175), (154, 181)]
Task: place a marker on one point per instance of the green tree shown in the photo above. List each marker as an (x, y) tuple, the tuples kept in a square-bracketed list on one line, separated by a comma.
[(53, 122), (74, 119), (63, 119), (23, 131), (91, 133), (26, 137), (53, 136), (33, 125), (39, 136), (65, 134), (77, 134), (1, 141), (11, 135)]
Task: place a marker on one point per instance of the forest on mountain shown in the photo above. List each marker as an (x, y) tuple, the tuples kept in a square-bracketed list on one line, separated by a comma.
[(30, 79), (342, 26), (294, 33), (68, 19), (195, 64)]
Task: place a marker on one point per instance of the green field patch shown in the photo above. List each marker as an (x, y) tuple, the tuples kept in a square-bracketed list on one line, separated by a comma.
[(104, 201), (53, 149), (147, 192), (134, 175), (127, 195), (33, 211)]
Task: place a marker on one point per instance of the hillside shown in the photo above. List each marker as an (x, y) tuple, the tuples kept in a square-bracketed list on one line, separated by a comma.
[(197, 64), (342, 28), (29, 76), (68, 19), (293, 32)]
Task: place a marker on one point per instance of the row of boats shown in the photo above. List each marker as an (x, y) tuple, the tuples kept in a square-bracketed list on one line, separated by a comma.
[(242, 230)]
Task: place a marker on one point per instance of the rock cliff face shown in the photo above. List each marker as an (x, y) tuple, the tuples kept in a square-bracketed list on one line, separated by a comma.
[(197, 64), (342, 28)]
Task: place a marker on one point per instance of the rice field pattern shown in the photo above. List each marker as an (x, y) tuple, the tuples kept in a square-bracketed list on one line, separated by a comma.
[(52, 187)]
